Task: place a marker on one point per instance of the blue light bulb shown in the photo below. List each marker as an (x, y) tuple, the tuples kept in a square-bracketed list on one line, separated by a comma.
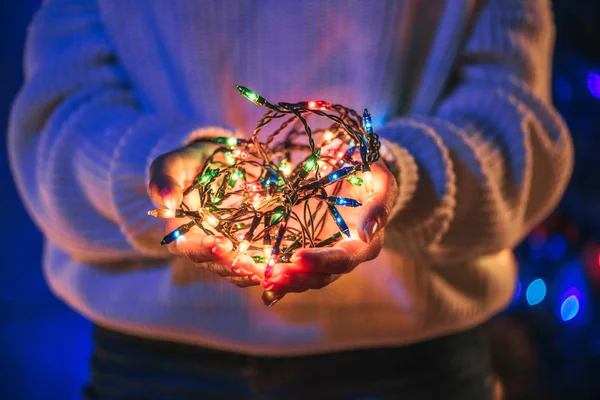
[(367, 122), (339, 220), (344, 201)]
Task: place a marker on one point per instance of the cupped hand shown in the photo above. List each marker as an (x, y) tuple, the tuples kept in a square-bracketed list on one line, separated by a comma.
[(315, 268), (169, 175)]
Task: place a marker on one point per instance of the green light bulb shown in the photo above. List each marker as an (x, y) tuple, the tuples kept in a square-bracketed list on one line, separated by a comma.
[(204, 179), (258, 259), (311, 162), (277, 215), (249, 94), (355, 180), (234, 177), (232, 141)]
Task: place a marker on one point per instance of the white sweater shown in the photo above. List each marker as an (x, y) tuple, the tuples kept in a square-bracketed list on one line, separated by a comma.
[(459, 90)]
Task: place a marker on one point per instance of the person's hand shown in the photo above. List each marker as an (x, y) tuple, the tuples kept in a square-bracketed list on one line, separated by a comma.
[(315, 268), (169, 175)]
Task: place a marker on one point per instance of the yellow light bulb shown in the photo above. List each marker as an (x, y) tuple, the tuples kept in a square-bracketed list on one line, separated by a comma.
[(267, 250), (259, 201), (212, 220), (162, 213), (328, 135), (368, 180), (241, 250), (285, 167)]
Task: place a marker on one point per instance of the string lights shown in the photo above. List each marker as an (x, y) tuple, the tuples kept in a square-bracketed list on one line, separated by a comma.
[(272, 198)]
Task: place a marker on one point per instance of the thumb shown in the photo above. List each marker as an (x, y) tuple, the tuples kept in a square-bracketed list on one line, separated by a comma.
[(166, 180), (375, 211)]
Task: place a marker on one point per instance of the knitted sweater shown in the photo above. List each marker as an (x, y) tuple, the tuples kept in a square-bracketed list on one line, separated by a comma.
[(459, 90)]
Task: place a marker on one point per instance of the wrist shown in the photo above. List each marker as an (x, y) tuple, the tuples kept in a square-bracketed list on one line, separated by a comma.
[(389, 159)]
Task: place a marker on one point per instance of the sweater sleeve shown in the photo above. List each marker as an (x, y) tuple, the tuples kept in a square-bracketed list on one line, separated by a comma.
[(494, 158), (81, 143)]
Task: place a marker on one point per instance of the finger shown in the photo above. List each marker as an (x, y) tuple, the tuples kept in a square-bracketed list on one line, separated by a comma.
[(244, 281), (376, 209), (199, 247), (173, 171), (166, 180), (244, 265), (214, 253), (340, 259), (293, 281)]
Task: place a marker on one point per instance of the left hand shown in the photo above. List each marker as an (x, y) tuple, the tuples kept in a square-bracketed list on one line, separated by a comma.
[(315, 268)]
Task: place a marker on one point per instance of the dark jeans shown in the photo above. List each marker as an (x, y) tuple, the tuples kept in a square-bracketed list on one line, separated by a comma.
[(128, 367)]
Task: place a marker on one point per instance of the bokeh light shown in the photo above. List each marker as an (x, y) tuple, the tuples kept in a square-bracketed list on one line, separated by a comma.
[(536, 292), (569, 308), (593, 83)]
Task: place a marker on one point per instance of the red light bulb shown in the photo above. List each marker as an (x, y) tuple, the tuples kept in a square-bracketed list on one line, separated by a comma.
[(251, 186), (318, 105)]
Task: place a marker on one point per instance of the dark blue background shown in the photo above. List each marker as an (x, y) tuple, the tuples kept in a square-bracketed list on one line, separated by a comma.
[(44, 346)]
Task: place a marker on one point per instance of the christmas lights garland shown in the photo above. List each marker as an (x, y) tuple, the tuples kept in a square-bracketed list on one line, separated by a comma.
[(248, 190)]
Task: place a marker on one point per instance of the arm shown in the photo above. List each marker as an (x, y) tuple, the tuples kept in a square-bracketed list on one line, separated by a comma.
[(496, 157), (81, 143)]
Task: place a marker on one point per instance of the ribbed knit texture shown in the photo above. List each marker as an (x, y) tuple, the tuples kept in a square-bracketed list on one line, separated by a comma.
[(111, 86)]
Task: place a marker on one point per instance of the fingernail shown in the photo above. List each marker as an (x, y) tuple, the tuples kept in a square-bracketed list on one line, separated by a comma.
[(370, 229), (269, 298), (219, 250), (165, 192)]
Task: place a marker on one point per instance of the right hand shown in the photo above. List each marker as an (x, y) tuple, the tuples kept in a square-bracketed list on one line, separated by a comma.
[(170, 174)]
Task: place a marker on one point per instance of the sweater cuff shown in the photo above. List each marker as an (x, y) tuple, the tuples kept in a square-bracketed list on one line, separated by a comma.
[(426, 201), (402, 165), (148, 139)]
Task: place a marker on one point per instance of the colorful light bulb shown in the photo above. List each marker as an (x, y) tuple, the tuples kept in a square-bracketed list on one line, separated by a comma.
[(230, 158), (367, 122), (241, 250), (337, 217), (342, 201), (317, 105), (257, 201), (251, 186), (331, 178), (268, 250), (250, 95), (240, 153), (285, 167), (278, 214), (337, 175), (166, 213), (237, 174), (311, 162), (330, 240), (207, 177), (177, 233), (259, 259), (328, 136), (229, 141), (211, 220), (355, 180)]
